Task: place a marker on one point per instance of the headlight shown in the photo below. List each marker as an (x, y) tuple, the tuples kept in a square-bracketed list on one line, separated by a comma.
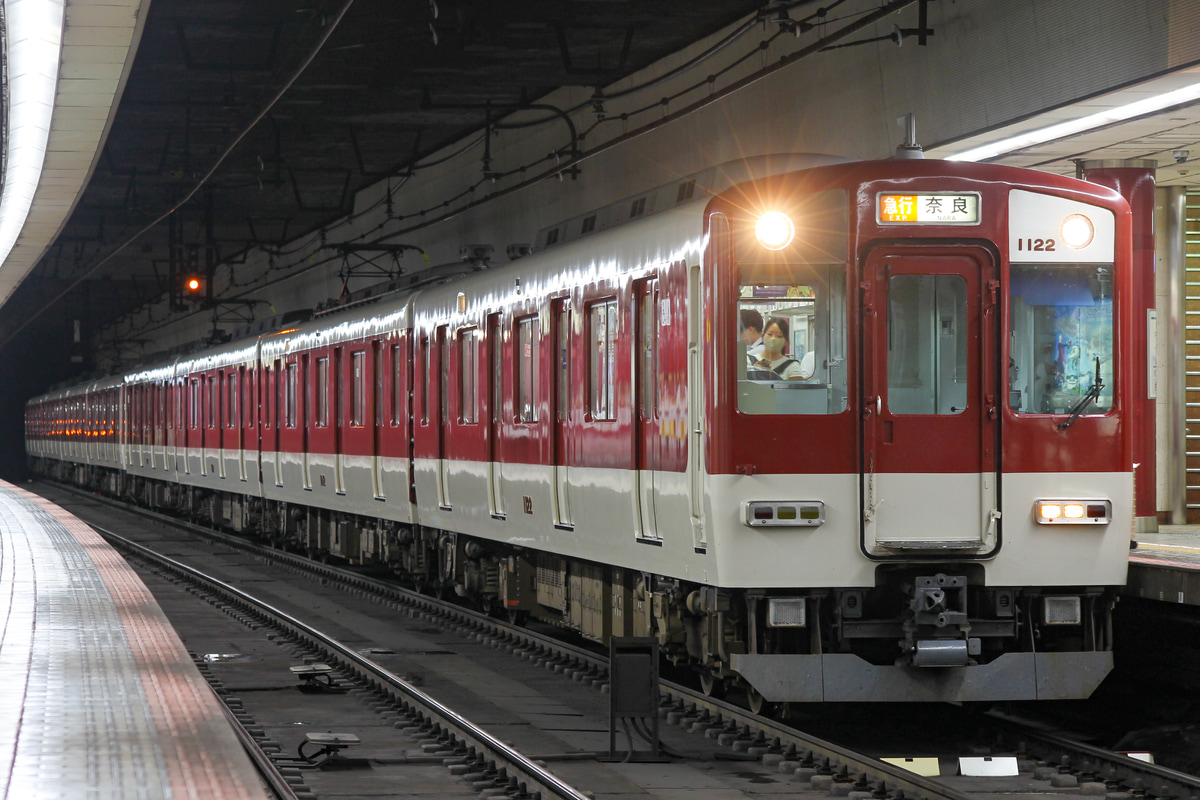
[(1072, 512), (774, 230), (1077, 231)]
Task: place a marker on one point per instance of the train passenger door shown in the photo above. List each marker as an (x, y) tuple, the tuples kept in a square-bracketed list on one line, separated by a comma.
[(561, 336), (647, 436), (277, 387), (339, 420), (304, 397), (443, 417), (930, 461), (495, 405), (376, 417)]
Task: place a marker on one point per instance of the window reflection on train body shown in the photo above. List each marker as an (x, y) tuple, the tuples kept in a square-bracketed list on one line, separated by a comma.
[(812, 299), (1060, 322)]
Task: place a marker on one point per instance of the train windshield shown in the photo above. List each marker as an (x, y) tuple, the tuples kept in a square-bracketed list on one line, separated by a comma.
[(1061, 338), (791, 353)]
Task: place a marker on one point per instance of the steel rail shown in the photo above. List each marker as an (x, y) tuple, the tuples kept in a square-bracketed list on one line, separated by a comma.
[(536, 778), (1106, 766), (1118, 769), (692, 703), (262, 762)]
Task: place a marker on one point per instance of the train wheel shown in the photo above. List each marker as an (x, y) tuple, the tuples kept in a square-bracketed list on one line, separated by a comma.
[(711, 685), (758, 704)]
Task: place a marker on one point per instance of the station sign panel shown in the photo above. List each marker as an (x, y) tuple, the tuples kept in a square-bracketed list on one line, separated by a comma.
[(930, 208)]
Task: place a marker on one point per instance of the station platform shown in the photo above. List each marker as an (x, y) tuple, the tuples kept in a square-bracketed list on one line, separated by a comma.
[(1166, 565), (98, 697)]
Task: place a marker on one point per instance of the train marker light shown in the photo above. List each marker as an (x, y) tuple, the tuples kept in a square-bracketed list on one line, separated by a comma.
[(1077, 231), (774, 230), (784, 513), (1072, 512)]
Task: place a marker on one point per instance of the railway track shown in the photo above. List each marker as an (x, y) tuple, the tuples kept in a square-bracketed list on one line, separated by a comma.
[(1055, 761)]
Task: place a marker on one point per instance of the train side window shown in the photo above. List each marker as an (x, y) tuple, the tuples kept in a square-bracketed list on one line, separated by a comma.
[(443, 340), (358, 377), (397, 386), (468, 366), (231, 418), (289, 402), (1060, 337), (527, 359), (602, 360), (426, 379), (377, 382), (250, 398), (211, 402), (322, 409), (496, 373), (194, 404), (562, 363)]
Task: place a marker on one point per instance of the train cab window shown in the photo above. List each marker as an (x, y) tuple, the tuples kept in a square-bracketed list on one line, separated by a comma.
[(1060, 338), (792, 339), (927, 344), (468, 366), (602, 360), (528, 352)]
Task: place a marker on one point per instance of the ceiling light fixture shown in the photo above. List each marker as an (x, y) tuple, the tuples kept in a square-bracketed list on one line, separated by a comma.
[(1071, 127), (34, 31)]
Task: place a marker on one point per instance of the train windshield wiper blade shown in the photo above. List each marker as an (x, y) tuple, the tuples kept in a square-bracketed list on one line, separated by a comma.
[(1093, 394)]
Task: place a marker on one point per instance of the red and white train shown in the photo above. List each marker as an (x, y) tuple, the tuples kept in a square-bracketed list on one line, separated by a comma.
[(938, 507)]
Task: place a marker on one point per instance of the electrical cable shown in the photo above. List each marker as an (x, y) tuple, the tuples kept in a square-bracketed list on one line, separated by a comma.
[(332, 26), (560, 167)]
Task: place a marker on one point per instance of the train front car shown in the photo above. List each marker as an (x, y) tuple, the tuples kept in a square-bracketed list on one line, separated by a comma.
[(920, 478)]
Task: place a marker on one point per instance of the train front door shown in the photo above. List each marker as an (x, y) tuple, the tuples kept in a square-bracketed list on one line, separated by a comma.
[(931, 347)]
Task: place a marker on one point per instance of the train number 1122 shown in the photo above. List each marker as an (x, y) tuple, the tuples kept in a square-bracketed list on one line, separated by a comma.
[(1036, 245)]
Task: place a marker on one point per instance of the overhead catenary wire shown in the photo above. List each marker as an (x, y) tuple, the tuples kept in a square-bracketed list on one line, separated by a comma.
[(442, 211), (330, 28)]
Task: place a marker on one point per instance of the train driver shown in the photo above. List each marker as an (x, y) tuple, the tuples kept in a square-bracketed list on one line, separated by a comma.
[(751, 333), (775, 358)]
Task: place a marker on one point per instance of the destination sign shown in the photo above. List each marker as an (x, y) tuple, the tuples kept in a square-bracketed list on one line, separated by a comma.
[(933, 208)]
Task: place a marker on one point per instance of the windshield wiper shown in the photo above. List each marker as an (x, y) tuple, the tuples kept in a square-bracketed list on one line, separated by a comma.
[(1093, 394)]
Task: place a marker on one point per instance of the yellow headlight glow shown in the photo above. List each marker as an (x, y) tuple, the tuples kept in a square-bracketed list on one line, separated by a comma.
[(1080, 511), (1050, 511), (774, 230), (1077, 231)]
